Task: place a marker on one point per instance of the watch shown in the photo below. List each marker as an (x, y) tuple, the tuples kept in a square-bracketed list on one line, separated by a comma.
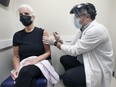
[(55, 43)]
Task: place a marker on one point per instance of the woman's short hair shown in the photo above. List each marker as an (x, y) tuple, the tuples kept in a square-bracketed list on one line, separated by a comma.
[(84, 8), (28, 7)]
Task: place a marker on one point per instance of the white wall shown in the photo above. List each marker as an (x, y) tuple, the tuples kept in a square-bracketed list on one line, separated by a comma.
[(6, 22), (52, 15)]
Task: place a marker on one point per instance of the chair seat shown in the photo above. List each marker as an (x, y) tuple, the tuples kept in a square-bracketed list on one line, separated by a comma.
[(41, 82)]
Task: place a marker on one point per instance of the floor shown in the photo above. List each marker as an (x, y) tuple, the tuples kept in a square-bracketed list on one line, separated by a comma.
[(113, 83)]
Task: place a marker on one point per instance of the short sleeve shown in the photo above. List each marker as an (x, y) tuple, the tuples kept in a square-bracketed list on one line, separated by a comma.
[(15, 40)]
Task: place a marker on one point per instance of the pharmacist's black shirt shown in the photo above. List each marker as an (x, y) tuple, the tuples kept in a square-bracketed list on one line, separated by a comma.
[(30, 43)]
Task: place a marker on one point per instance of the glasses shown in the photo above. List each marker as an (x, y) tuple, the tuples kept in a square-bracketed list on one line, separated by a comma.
[(78, 16)]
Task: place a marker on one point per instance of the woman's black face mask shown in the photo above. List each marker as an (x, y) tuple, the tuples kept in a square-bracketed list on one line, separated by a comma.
[(26, 20)]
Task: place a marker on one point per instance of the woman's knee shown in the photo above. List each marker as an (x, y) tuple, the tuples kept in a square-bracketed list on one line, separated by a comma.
[(26, 70)]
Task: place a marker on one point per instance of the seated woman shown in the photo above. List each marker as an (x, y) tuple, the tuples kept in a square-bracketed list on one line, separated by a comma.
[(26, 43)]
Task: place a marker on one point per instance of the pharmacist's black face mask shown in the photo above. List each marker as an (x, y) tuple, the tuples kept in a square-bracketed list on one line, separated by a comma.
[(26, 20)]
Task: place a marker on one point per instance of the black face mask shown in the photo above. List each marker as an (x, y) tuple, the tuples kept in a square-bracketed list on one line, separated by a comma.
[(26, 20)]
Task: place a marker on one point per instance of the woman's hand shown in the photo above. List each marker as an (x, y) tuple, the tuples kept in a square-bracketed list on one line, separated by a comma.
[(14, 74)]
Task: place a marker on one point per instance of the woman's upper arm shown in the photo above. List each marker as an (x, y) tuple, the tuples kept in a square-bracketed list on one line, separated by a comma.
[(46, 46), (16, 51)]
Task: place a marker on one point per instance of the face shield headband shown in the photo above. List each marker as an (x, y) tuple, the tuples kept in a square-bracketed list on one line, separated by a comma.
[(80, 9), (83, 9)]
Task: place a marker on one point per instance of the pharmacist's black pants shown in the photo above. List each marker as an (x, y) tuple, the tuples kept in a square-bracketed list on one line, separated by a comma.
[(27, 76), (74, 75)]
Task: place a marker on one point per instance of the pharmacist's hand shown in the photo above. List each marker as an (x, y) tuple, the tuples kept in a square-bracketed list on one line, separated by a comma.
[(56, 36), (48, 40)]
